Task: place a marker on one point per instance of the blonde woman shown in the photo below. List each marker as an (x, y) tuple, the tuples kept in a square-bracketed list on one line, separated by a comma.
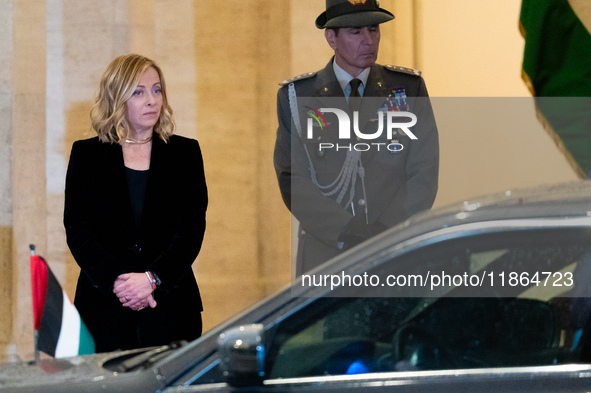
[(135, 203)]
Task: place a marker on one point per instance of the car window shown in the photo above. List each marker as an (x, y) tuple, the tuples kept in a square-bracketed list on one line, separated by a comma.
[(517, 324)]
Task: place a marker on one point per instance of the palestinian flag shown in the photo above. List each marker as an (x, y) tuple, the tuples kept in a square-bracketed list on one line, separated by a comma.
[(557, 64), (60, 331)]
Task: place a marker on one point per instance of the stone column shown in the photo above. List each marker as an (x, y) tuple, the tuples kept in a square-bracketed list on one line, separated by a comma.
[(309, 50), (28, 159), (399, 37), (6, 92), (227, 270), (242, 52), (273, 232), (175, 51)]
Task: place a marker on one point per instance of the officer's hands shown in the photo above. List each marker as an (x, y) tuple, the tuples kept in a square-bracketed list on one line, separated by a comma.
[(357, 231)]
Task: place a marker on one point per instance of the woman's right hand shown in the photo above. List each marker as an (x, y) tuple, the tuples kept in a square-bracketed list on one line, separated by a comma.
[(147, 302)]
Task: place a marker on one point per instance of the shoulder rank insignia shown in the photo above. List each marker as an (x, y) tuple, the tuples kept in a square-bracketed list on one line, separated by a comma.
[(297, 78), (403, 69)]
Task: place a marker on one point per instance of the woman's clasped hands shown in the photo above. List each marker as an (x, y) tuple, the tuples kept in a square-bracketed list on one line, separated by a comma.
[(134, 291)]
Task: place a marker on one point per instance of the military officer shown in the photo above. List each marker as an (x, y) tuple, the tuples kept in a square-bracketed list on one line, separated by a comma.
[(343, 192)]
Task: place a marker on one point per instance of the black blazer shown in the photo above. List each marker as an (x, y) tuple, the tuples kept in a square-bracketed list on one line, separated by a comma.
[(106, 241)]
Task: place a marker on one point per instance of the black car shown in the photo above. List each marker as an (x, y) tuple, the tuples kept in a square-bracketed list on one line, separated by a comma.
[(487, 295)]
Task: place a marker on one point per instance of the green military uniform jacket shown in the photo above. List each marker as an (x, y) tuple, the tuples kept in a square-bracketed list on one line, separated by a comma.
[(396, 184)]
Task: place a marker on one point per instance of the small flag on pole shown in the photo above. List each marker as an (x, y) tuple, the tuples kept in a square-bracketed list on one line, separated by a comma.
[(59, 330)]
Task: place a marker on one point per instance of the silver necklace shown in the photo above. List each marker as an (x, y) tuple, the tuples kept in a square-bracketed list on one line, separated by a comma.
[(140, 142)]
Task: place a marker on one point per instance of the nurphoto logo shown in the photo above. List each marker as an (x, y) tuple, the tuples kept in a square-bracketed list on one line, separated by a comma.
[(392, 127)]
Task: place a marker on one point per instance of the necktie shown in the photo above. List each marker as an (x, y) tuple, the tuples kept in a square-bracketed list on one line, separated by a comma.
[(355, 87), (355, 97)]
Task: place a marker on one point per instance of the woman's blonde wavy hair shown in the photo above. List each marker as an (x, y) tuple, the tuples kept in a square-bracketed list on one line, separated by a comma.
[(108, 114)]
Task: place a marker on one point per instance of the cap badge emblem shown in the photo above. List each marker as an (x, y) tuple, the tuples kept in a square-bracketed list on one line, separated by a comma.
[(357, 2)]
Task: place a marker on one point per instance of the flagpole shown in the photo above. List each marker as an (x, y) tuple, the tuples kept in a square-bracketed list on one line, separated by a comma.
[(36, 339)]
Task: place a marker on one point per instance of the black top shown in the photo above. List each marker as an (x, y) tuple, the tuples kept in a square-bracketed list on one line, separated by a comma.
[(137, 182)]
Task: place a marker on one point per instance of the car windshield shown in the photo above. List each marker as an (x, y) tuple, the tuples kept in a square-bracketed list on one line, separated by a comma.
[(525, 320)]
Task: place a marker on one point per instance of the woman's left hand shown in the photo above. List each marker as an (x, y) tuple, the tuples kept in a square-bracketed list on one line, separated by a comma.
[(134, 290)]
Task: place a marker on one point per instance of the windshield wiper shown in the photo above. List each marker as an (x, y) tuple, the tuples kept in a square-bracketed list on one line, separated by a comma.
[(148, 358)]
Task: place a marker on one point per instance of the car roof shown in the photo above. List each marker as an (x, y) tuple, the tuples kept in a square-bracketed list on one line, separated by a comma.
[(563, 200), (549, 200)]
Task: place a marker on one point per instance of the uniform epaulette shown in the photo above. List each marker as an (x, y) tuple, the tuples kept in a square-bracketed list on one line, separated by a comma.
[(297, 78), (403, 69)]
